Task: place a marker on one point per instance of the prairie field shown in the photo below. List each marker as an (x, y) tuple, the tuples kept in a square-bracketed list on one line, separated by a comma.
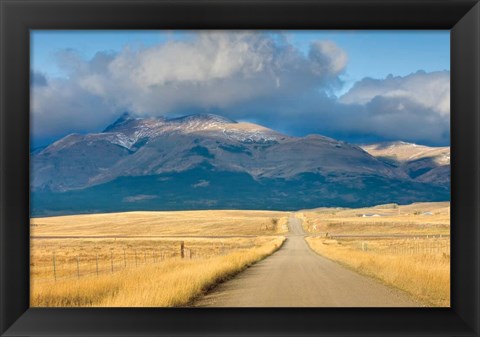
[(56, 259), (145, 258), (170, 259), (181, 223), (169, 283), (431, 218), (407, 247)]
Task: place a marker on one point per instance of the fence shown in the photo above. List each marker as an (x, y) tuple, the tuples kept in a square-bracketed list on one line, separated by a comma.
[(409, 246), (55, 260), (63, 266)]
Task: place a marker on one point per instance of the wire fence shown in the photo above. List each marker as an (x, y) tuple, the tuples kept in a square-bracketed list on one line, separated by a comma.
[(56, 260), (409, 246), (63, 265)]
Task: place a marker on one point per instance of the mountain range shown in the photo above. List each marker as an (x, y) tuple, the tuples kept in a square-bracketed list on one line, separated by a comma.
[(206, 161)]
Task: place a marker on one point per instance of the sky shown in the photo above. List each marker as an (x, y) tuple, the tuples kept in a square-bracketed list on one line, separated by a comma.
[(356, 86)]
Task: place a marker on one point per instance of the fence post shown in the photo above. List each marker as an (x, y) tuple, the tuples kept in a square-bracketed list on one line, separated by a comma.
[(111, 259), (96, 260), (54, 267), (78, 266), (364, 246), (182, 249)]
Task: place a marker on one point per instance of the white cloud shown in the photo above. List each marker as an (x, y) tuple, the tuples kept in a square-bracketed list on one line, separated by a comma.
[(242, 75), (430, 90), (328, 59), (215, 70)]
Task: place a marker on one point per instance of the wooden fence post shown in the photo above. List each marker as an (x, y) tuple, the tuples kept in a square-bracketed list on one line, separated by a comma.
[(182, 249), (364, 246), (54, 267)]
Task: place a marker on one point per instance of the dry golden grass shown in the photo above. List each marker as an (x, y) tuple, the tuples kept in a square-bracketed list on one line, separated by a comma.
[(144, 249), (417, 218), (420, 267), (170, 283), (78, 257), (181, 223), (133, 258)]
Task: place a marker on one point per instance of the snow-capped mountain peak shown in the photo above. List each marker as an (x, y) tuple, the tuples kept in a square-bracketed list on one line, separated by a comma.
[(244, 165), (127, 130), (205, 118)]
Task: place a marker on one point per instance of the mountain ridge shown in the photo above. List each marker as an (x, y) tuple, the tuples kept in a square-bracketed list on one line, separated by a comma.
[(419, 162), (133, 147)]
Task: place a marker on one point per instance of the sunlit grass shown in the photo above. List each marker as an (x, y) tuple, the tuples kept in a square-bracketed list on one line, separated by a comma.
[(182, 223), (170, 283), (424, 273)]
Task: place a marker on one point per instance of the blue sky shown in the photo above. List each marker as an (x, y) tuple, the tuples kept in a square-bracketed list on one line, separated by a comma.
[(396, 52), (399, 52), (63, 59)]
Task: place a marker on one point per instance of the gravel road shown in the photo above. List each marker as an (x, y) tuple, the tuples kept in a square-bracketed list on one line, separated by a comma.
[(295, 276)]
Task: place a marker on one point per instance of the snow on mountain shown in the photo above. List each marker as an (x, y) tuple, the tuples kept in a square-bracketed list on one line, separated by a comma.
[(133, 146), (403, 151), (422, 163), (201, 120), (206, 159), (128, 130)]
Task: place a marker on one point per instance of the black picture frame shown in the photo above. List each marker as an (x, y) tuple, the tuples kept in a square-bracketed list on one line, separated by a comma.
[(18, 17)]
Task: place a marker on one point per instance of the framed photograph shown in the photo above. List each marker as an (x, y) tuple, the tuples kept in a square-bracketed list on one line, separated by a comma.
[(239, 168)]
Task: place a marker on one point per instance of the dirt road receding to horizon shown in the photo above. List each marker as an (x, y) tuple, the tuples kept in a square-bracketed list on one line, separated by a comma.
[(295, 276)]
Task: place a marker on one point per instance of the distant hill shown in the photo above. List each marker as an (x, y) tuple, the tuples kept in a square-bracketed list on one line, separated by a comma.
[(421, 163), (206, 161)]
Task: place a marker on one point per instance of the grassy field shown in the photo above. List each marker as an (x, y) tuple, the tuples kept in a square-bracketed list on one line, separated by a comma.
[(415, 219), (134, 258), (170, 283), (56, 259), (185, 223), (411, 250)]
